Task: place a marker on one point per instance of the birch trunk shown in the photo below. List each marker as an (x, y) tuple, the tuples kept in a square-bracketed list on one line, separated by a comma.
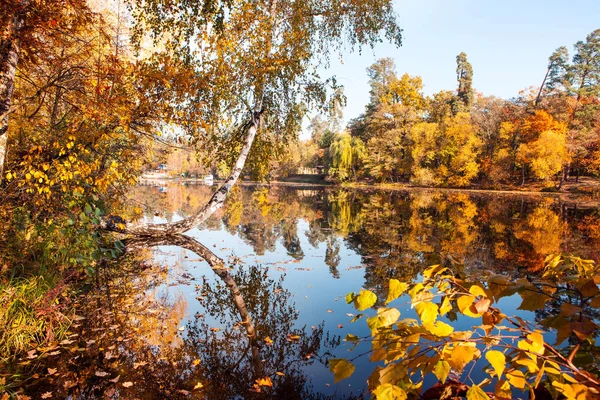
[(10, 47), (215, 202)]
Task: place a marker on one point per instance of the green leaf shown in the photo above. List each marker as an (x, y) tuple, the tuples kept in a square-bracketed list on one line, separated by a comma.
[(476, 393), (365, 299), (389, 392), (395, 290), (497, 360), (341, 369), (441, 370)]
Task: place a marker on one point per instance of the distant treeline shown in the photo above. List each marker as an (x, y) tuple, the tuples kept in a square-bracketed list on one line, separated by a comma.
[(455, 138)]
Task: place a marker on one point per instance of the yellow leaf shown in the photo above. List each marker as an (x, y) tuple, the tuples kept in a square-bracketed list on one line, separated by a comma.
[(461, 355), (502, 389), (464, 305), (441, 369), (476, 290), (440, 328), (195, 362), (389, 392), (395, 290), (433, 271), (497, 360), (341, 369), (364, 300), (385, 317), (427, 311), (199, 385), (268, 341), (516, 378), (266, 381), (530, 364), (537, 342), (446, 306), (476, 393)]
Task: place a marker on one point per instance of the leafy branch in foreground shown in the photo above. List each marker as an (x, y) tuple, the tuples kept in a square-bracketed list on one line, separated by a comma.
[(514, 353)]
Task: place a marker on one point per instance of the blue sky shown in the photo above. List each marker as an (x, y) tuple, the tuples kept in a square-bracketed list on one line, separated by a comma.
[(507, 42)]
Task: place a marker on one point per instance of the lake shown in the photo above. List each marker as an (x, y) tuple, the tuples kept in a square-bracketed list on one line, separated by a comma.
[(163, 324)]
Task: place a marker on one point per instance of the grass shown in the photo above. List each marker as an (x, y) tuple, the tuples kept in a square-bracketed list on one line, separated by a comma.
[(31, 313)]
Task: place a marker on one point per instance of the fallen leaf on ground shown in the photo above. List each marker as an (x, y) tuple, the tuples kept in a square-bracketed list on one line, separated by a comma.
[(127, 384)]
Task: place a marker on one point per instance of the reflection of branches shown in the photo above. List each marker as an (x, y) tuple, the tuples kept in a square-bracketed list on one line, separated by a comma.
[(332, 256), (270, 346), (215, 263)]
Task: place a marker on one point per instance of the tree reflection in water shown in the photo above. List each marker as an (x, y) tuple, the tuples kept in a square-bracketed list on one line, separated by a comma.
[(232, 358)]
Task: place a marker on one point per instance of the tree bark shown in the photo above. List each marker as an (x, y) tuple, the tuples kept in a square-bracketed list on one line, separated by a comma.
[(10, 47), (215, 202)]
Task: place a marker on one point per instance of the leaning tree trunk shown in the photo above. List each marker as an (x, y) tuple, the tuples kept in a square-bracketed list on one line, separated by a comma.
[(215, 202), (10, 46)]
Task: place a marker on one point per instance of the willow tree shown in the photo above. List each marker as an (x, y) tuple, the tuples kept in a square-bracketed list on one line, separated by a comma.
[(254, 71)]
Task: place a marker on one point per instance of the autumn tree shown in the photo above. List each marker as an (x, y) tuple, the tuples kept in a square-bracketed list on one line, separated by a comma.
[(445, 154), (252, 67)]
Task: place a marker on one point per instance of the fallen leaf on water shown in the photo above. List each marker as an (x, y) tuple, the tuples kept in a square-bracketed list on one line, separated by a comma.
[(47, 395), (340, 326), (181, 328), (127, 384), (280, 373), (255, 388), (140, 364), (350, 314), (195, 362), (266, 381), (329, 310), (199, 385), (268, 341), (215, 329), (101, 374), (51, 371), (292, 337)]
